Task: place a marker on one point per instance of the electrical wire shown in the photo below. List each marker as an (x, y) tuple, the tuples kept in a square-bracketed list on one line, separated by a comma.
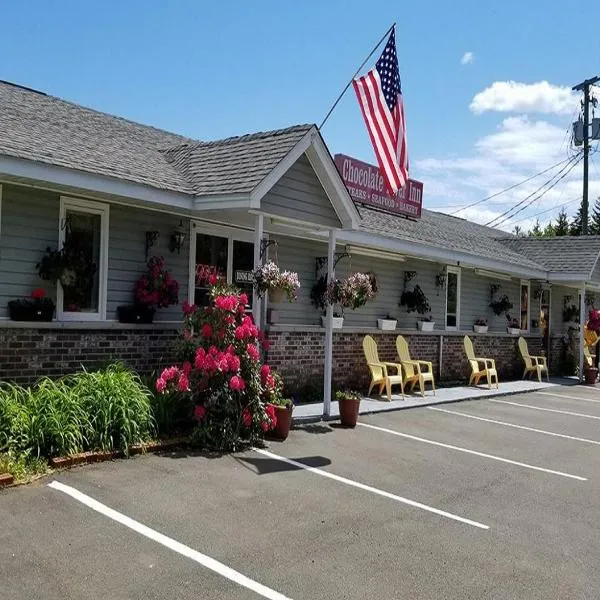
[(543, 212), (509, 217), (512, 187)]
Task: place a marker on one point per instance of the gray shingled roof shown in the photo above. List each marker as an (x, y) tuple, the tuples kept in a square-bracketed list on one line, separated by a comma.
[(565, 254), (444, 231), (236, 164), (39, 127)]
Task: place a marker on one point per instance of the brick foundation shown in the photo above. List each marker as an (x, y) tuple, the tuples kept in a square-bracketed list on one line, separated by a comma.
[(299, 355), (27, 354)]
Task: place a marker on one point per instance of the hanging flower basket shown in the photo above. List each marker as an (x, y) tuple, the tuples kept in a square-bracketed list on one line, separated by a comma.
[(277, 295), (269, 279)]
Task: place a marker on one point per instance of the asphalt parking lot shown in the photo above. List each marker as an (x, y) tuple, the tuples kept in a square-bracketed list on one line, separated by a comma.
[(495, 498)]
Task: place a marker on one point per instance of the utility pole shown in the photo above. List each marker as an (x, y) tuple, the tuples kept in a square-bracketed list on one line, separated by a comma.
[(585, 87)]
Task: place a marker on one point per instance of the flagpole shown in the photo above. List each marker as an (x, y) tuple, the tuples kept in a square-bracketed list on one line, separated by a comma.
[(355, 74)]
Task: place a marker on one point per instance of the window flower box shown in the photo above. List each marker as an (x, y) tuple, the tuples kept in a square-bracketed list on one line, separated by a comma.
[(513, 330), (425, 325), (338, 322), (35, 308), (135, 314), (480, 328), (387, 324)]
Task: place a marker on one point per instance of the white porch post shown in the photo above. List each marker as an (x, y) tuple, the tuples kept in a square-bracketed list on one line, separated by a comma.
[(329, 329), (258, 236), (581, 324)]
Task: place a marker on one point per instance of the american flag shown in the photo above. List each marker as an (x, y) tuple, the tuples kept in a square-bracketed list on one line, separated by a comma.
[(380, 97)]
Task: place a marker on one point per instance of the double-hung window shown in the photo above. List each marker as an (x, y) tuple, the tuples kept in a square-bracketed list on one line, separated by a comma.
[(83, 237), (452, 298)]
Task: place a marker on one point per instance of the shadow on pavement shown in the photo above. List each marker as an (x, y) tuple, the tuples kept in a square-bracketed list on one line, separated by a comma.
[(263, 466), (317, 428)]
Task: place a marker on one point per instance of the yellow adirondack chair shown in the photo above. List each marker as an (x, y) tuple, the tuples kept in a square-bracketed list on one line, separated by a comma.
[(415, 371), (489, 365), (533, 364), (379, 370), (590, 338)]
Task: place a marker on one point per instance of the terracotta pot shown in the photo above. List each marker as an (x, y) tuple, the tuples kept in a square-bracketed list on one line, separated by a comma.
[(284, 422), (349, 411), (590, 375)]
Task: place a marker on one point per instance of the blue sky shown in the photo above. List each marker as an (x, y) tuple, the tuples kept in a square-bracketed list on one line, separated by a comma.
[(214, 69)]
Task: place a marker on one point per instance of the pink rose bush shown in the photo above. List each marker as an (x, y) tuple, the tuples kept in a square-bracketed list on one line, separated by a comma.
[(222, 373)]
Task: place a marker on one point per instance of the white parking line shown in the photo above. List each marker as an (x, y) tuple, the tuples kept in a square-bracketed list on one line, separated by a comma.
[(567, 397), (202, 559), (552, 410), (373, 490), (474, 452), (553, 433)]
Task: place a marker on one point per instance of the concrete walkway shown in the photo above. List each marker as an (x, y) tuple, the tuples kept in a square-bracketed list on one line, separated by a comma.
[(310, 413)]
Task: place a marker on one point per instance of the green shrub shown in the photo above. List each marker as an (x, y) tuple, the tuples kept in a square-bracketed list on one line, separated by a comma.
[(118, 405), (22, 467)]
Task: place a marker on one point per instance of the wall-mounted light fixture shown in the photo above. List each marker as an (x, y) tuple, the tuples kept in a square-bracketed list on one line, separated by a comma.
[(177, 238), (151, 237)]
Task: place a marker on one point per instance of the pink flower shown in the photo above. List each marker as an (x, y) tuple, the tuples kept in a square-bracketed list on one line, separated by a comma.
[(237, 384), (199, 412), (265, 371), (243, 299), (207, 330), (233, 362), (161, 385), (183, 385), (266, 425), (187, 367), (246, 417), (188, 309), (252, 352), (270, 410), (266, 344), (213, 279)]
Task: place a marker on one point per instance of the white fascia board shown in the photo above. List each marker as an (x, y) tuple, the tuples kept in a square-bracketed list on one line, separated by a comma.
[(73, 178), (224, 201), (324, 166), (570, 278), (280, 169), (417, 250)]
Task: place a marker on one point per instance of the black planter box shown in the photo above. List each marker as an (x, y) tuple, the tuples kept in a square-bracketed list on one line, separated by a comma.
[(30, 312), (135, 314)]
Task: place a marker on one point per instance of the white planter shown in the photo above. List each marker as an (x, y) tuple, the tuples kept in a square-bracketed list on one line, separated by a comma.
[(425, 325), (513, 330), (480, 328), (338, 322), (386, 324)]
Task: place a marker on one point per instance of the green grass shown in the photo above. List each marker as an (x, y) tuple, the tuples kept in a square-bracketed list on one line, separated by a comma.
[(23, 468)]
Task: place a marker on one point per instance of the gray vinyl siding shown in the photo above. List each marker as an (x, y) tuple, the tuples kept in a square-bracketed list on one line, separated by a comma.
[(29, 224), (127, 260), (300, 195), (557, 303)]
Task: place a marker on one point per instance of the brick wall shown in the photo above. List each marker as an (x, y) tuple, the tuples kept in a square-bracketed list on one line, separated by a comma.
[(27, 354), (299, 355)]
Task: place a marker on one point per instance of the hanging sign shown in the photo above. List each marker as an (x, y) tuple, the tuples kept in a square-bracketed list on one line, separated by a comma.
[(366, 186)]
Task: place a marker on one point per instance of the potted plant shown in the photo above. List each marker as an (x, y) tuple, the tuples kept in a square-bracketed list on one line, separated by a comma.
[(513, 327), (388, 323), (280, 285), (415, 300), (283, 409), (480, 325), (156, 288), (590, 375), (349, 405), (35, 308), (570, 312)]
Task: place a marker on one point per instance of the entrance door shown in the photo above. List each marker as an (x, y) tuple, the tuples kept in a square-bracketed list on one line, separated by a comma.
[(222, 251), (545, 320)]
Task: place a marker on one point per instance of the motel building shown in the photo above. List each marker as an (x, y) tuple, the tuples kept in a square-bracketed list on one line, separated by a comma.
[(133, 191)]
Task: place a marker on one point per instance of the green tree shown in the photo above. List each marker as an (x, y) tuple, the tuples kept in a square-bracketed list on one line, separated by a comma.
[(595, 220), (518, 231), (575, 226), (562, 224), (536, 230), (549, 230)]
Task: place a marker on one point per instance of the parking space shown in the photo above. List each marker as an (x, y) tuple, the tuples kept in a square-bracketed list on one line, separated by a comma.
[(481, 499)]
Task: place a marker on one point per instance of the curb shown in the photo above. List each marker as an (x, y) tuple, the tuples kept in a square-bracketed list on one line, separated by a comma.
[(6, 479), (320, 419)]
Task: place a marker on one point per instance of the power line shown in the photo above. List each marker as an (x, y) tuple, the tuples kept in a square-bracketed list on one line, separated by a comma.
[(509, 217), (543, 212), (512, 187)]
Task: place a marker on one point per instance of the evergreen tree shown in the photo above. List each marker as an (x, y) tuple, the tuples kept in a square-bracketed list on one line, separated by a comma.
[(562, 223), (536, 230), (575, 226), (595, 220), (518, 231), (549, 230)]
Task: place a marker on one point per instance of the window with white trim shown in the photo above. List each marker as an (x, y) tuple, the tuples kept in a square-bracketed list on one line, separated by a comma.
[(452, 298), (83, 236), (223, 251), (524, 304)]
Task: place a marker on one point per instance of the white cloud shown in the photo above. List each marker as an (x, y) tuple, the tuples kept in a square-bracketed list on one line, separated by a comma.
[(512, 96), (467, 58)]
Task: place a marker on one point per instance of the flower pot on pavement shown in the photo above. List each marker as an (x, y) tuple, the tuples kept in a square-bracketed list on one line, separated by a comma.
[(349, 405), (284, 422), (590, 375)]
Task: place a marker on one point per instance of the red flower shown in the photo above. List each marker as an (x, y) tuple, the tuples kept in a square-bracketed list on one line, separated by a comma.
[(38, 293), (213, 279), (265, 371), (237, 384), (246, 417), (207, 330), (199, 412), (161, 385), (252, 352), (188, 309), (243, 299), (183, 385)]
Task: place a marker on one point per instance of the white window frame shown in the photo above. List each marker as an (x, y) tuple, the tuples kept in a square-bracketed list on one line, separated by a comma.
[(93, 208), (525, 282), (231, 233), (457, 272)]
